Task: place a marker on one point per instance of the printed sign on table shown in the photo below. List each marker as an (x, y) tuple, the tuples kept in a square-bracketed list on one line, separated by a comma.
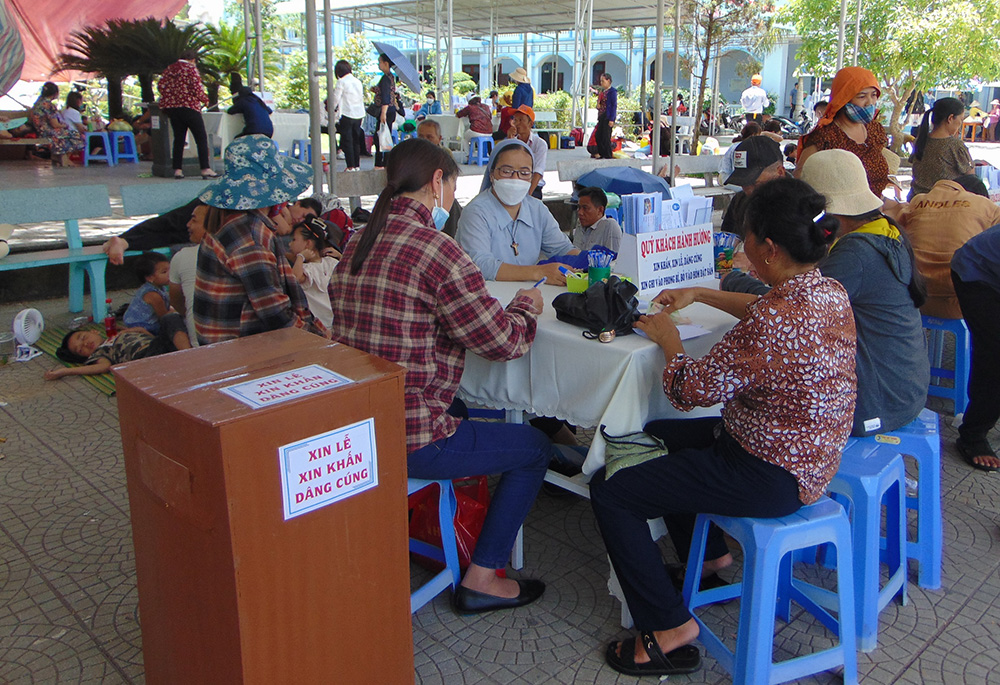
[(673, 258), (288, 385), (324, 469)]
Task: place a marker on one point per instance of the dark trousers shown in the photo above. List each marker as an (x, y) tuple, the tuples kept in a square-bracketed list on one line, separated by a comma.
[(604, 138), (379, 155), (702, 474), (169, 228), (981, 309), (351, 136), (183, 119)]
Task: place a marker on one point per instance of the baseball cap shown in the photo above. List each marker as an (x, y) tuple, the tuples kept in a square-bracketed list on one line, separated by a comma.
[(524, 109), (752, 156)]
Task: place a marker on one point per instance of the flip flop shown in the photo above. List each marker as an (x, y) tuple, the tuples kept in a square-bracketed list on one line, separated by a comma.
[(980, 448), (686, 659)]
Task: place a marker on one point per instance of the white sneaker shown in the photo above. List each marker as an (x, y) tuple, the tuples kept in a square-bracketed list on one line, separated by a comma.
[(340, 154)]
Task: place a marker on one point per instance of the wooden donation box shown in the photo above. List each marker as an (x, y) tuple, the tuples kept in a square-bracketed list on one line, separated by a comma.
[(267, 486)]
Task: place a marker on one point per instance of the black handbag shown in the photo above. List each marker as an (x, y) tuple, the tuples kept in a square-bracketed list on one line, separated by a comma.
[(607, 309)]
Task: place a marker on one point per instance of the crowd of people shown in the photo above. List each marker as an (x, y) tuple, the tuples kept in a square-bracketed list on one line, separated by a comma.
[(828, 341)]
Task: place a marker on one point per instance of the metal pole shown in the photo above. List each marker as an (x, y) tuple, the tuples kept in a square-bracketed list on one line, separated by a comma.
[(437, 49), (554, 84), (331, 174), (492, 50), (248, 39), (577, 51), (451, 54), (259, 44), (586, 71), (677, 75), (658, 77), (642, 74), (840, 34), (314, 103), (857, 33)]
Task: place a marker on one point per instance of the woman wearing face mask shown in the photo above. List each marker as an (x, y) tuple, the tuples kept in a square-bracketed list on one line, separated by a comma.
[(939, 153), (431, 105), (505, 230), (851, 123), (407, 293)]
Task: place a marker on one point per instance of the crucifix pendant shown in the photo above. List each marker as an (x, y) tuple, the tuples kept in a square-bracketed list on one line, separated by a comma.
[(513, 244)]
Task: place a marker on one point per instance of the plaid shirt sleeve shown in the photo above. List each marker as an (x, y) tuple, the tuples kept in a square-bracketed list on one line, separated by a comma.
[(473, 318)]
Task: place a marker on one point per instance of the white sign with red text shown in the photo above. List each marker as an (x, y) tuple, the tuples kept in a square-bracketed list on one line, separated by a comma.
[(674, 258), (327, 468), (288, 385)]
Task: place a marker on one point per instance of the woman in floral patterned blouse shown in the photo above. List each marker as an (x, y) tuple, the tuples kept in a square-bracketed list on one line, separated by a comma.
[(785, 377), (182, 95)]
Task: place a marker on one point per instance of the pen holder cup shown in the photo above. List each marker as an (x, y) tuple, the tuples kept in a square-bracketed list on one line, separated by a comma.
[(596, 274), (577, 282)]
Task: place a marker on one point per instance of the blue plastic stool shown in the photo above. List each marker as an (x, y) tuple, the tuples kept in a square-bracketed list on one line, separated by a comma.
[(123, 147), (106, 155), (867, 477), (959, 392), (480, 148), (768, 588), (301, 150), (447, 553)]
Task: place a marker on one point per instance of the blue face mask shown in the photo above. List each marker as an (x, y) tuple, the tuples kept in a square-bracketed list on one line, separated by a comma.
[(440, 216), (861, 115)]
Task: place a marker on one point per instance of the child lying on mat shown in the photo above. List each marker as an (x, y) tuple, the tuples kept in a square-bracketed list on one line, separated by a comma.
[(98, 354)]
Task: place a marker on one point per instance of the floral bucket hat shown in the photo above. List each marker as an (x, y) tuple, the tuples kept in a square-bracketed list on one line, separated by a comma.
[(257, 176)]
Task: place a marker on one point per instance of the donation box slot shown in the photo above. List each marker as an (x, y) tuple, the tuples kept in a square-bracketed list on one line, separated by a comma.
[(267, 488)]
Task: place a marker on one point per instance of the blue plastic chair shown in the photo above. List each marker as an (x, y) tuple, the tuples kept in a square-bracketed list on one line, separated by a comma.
[(447, 553), (123, 147), (301, 150), (480, 148), (105, 155), (958, 393), (868, 477), (768, 588)]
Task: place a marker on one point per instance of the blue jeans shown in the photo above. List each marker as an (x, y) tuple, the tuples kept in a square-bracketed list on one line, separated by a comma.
[(519, 453), (702, 473)]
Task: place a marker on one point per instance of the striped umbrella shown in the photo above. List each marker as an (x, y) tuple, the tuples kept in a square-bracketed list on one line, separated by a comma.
[(11, 50)]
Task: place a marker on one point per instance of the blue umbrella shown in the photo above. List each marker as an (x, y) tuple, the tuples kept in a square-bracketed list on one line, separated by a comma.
[(625, 180), (406, 71)]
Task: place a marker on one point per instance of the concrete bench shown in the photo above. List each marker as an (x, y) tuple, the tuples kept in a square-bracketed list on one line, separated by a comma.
[(69, 205), (145, 199), (25, 141), (699, 164), (572, 169)]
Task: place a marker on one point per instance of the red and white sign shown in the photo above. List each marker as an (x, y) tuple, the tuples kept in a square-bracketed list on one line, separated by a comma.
[(288, 385), (324, 469), (674, 258)]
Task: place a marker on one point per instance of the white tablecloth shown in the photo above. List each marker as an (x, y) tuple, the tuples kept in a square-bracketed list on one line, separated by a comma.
[(588, 383), (288, 126)]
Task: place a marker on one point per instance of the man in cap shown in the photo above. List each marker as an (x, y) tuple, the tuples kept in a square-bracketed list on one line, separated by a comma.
[(757, 160), (521, 120), (754, 100), (523, 93)]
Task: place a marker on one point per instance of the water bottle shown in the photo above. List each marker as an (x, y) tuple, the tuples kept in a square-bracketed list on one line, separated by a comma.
[(110, 325)]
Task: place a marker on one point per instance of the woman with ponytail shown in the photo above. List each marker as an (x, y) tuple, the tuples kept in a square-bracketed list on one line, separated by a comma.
[(406, 292), (939, 152), (851, 122), (785, 377)]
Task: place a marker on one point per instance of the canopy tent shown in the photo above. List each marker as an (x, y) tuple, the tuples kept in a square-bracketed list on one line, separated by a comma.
[(483, 20), (46, 24), (11, 51)]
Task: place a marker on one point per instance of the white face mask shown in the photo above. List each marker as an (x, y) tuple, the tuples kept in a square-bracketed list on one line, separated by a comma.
[(510, 191)]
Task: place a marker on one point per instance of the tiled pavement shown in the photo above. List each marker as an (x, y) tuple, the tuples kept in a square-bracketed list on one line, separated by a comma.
[(68, 610)]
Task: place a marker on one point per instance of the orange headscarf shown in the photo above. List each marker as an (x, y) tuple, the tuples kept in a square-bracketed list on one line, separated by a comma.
[(848, 82)]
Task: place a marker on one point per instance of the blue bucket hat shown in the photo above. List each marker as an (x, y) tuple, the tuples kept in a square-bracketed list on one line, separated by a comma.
[(256, 176)]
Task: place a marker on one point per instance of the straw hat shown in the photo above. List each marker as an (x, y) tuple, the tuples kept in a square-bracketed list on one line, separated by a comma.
[(6, 230), (839, 175), (256, 176), (520, 75)]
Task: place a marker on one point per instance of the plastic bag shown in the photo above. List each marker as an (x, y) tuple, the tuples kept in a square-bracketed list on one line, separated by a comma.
[(473, 497), (384, 138)]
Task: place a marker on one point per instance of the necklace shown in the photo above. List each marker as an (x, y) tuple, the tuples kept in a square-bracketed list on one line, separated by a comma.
[(512, 229)]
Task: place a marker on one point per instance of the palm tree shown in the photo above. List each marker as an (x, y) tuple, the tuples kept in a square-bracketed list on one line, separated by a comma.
[(154, 45), (227, 56), (93, 50)]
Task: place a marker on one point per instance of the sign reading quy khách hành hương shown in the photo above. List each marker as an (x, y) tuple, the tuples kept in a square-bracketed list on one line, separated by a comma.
[(326, 468), (284, 386), (676, 257)]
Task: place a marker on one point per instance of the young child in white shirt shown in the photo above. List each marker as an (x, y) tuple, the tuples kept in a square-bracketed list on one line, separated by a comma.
[(312, 269)]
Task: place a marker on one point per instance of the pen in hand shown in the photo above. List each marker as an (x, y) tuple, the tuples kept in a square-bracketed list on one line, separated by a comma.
[(543, 279)]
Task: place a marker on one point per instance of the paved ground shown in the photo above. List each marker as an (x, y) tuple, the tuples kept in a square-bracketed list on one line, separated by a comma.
[(68, 611)]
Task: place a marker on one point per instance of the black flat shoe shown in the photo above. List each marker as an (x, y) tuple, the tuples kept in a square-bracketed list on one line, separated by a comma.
[(709, 581), (468, 601)]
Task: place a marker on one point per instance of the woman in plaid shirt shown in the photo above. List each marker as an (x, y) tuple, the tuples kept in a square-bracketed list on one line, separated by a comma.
[(408, 293)]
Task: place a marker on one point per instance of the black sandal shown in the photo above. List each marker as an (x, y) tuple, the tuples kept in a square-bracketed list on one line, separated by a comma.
[(979, 448), (686, 659)]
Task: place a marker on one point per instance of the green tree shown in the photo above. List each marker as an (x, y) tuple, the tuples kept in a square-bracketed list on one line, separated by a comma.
[(908, 44), (93, 50), (720, 23), (291, 90), (360, 52), (227, 55)]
